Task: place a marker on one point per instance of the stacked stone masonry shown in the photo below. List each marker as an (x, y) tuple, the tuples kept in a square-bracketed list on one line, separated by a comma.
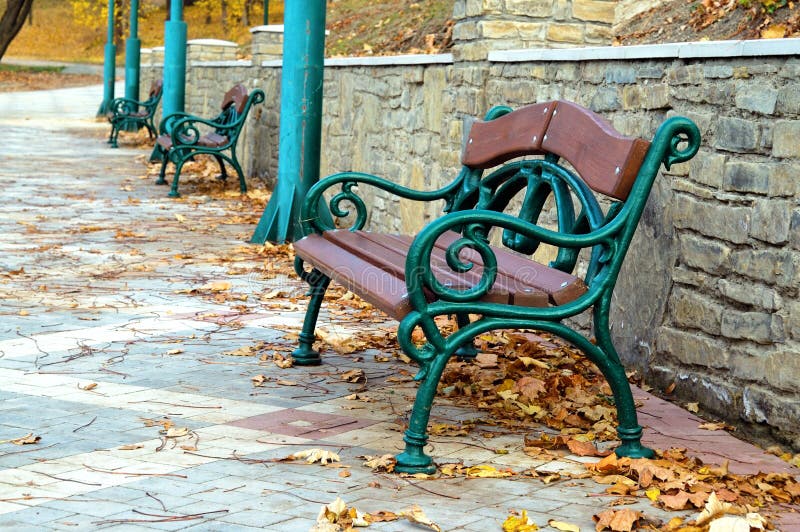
[(708, 297)]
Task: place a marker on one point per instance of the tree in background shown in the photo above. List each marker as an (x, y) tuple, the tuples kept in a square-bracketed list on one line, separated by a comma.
[(12, 20)]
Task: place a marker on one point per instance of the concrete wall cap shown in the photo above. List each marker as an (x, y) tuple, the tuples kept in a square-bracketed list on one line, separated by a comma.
[(222, 64), (391, 60), (212, 42), (269, 28), (695, 50)]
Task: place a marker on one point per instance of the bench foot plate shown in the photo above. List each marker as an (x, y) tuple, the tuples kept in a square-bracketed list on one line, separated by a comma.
[(413, 463), (306, 357), (634, 450)]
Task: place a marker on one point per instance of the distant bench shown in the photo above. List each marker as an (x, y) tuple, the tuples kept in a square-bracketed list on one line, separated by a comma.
[(450, 268), (180, 138), (132, 115)]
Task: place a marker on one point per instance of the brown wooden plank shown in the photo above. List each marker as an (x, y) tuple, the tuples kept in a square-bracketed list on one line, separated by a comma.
[(560, 287), (607, 161), (236, 96), (378, 287), (513, 135), (389, 252)]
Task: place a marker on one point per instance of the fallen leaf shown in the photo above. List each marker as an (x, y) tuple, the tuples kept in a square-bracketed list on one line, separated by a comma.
[(652, 494), (730, 523), (130, 447), (715, 426), (286, 383), (217, 286), (384, 462), (519, 523), (774, 31), (259, 380), (177, 432), (486, 360), (354, 375), (564, 527), (584, 448), (381, 516), (28, 439), (175, 351), (487, 471), (416, 515), (314, 455), (344, 473), (714, 508), (693, 407), (90, 386), (617, 520)]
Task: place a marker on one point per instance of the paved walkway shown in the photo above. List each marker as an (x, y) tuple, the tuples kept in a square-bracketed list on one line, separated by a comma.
[(137, 342)]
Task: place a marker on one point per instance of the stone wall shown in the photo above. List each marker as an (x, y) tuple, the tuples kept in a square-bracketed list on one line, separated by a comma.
[(485, 25), (708, 297)]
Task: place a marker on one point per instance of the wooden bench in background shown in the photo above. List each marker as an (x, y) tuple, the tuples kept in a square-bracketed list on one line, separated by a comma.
[(513, 163), (132, 115), (183, 136)]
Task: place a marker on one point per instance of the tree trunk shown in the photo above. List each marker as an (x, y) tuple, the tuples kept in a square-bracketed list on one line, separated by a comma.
[(224, 9), (12, 21)]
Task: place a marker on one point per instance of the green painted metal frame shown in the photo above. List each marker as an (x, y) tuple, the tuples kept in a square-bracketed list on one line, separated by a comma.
[(123, 116), (184, 131), (133, 48), (473, 205), (175, 31)]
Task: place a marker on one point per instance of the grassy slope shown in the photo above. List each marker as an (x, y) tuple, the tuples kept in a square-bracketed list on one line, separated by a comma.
[(357, 27)]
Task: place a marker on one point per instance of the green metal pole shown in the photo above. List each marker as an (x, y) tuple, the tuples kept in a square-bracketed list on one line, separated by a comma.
[(174, 60), (133, 48), (109, 65), (300, 122), (266, 12)]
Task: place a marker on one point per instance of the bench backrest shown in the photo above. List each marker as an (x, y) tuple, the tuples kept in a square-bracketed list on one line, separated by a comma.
[(235, 104), (155, 89), (601, 161)]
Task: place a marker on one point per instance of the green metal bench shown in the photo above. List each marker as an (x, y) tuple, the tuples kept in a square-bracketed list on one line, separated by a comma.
[(131, 115), (451, 267), (180, 138)]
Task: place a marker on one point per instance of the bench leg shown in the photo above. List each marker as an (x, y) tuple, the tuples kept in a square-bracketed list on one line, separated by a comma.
[(173, 191), (240, 173), (628, 428), (413, 459), (305, 355), (162, 173), (466, 351), (223, 173)]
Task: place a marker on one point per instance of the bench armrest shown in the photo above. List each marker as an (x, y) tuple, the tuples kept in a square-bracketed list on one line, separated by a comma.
[(185, 132), (313, 202), (474, 225), (166, 123), (122, 106)]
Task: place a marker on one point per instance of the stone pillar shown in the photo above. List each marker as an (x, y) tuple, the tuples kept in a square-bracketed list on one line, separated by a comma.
[(485, 25), (267, 43), (211, 50)]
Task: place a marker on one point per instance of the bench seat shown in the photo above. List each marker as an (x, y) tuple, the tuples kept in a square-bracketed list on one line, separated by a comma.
[(373, 265)]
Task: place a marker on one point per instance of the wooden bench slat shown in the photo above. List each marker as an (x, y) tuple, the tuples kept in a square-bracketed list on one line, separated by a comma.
[(509, 136), (558, 286), (388, 253), (378, 287), (607, 161)]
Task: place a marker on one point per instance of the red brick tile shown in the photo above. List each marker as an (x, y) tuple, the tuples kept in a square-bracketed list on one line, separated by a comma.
[(302, 423)]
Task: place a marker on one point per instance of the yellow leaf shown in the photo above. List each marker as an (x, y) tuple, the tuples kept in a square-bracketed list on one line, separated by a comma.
[(487, 471), (774, 31), (653, 494), (90, 386), (24, 312), (714, 508), (564, 527), (175, 351), (181, 218), (519, 523), (693, 407)]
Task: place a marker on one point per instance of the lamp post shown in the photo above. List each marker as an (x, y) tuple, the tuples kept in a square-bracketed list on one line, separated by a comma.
[(266, 12), (300, 121), (109, 64), (133, 48), (174, 60)]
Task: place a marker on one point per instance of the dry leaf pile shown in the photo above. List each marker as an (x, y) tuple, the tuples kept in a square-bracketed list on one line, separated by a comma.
[(338, 517), (534, 380)]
